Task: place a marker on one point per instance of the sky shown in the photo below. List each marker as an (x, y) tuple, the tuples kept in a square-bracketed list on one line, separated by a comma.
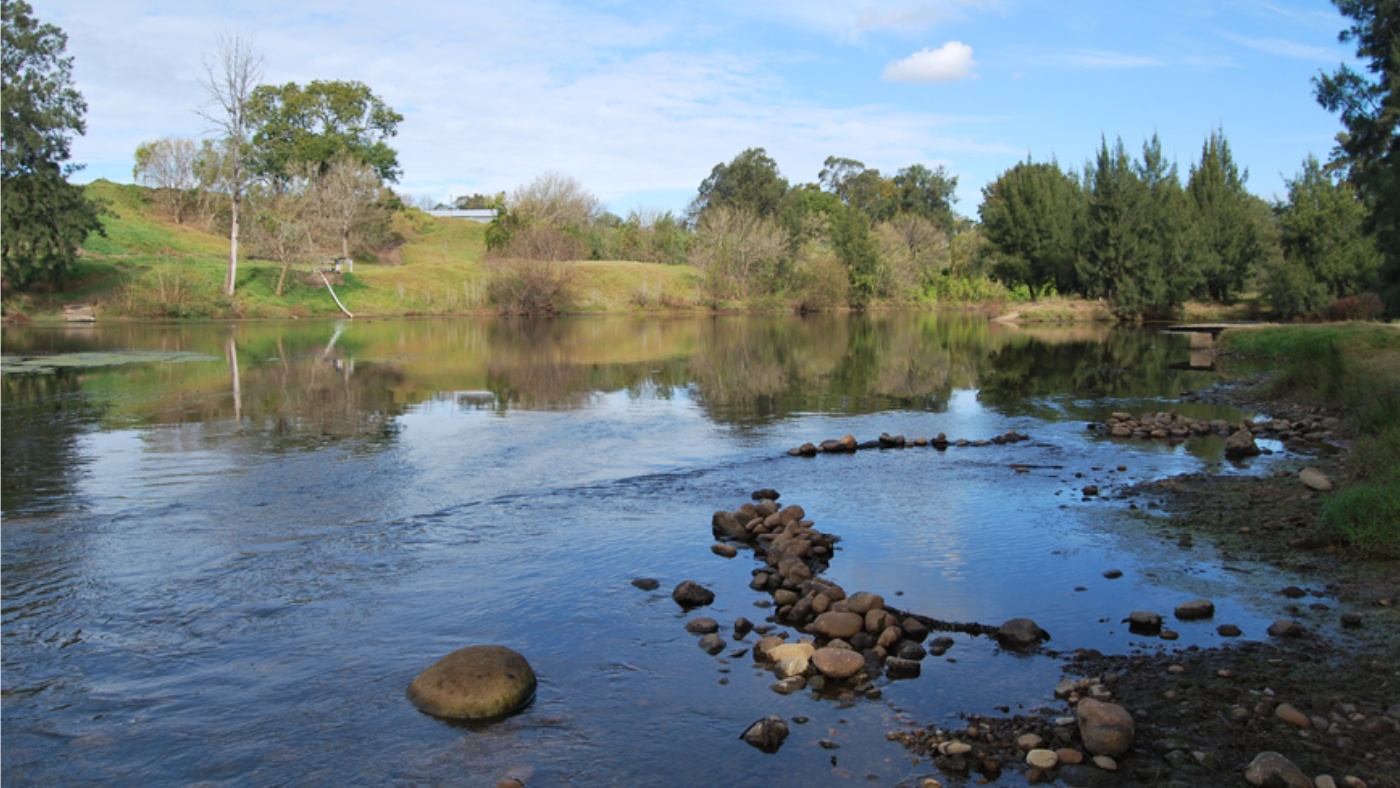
[(638, 101)]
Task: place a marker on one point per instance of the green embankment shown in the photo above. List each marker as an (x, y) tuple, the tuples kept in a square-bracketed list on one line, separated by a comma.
[(148, 266), (1356, 367)]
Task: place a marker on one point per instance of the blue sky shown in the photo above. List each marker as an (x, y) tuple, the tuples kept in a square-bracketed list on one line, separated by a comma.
[(639, 100)]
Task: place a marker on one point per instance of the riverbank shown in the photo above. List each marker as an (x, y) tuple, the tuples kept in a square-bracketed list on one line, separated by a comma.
[(1321, 689)]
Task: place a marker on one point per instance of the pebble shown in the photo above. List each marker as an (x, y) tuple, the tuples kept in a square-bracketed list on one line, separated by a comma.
[(1285, 629), (1229, 631), (1029, 741), (955, 748), (1069, 756), (724, 550), (1113, 574), (1106, 763), (1042, 759), (1291, 715), (702, 626)]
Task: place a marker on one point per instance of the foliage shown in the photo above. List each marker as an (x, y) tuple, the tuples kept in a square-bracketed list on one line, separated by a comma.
[(913, 252), (740, 252), (468, 202), (319, 124), (1033, 216), (1326, 252), (555, 200), (1370, 111), (169, 166), (530, 287), (1229, 242), (819, 282), (750, 181), (45, 218), (1167, 272), (857, 187), (926, 193), (859, 252), (1115, 232)]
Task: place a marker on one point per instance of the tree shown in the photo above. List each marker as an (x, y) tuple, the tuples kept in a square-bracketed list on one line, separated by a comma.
[(1370, 110), (1115, 227), (1229, 242), (751, 181), (1168, 273), (913, 252), (168, 165), (282, 223), (45, 218), (229, 79), (858, 187), (345, 198), (476, 201), (740, 252), (1326, 252), (316, 124), (858, 251), (927, 193), (1033, 216)]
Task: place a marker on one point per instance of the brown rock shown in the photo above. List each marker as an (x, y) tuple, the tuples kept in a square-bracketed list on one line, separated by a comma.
[(1105, 728), (1291, 715), (472, 683), (837, 663), (837, 624), (1195, 609), (1313, 479)]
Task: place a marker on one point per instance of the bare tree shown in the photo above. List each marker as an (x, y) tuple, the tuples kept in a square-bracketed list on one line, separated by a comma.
[(281, 222), (739, 250), (229, 79), (556, 200), (346, 195), (168, 166)]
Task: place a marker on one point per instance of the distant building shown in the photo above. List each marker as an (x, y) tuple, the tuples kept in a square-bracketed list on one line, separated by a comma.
[(470, 214)]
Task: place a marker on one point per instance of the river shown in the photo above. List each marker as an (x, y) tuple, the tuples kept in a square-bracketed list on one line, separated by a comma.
[(227, 548)]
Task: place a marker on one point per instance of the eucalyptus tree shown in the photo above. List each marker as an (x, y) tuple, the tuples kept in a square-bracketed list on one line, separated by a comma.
[(45, 218), (319, 123), (750, 181), (927, 193)]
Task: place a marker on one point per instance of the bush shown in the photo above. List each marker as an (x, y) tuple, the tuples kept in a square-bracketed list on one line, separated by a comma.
[(1366, 306), (530, 287), (819, 280)]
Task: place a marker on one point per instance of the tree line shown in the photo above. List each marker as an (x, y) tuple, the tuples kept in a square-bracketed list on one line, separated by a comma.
[(302, 171)]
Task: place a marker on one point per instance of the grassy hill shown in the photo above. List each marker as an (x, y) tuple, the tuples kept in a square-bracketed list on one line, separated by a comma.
[(148, 266)]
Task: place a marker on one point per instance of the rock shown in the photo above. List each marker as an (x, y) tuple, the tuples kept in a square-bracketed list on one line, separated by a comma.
[(729, 525), (1229, 631), (766, 494), (955, 748), (1042, 759), (789, 685), (908, 649), (1291, 715), (742, 627), (838, 663), (838, 624), (1143, 622), (1241, 444), (474, 683), (1285, 629), (899, 668), (765, 646), (1350, 619), (914, 629), (791, 666), (647, 583), (1324, 781), (1069, 756), (1113, 574), (1313, 479), (712, 644), (1105, 728), (1272, 769), (1105, 762), (767, 734), (701, 626), (1195, 610), (1020, 633), (862, 602), (692, 594), (724, 550), (1029, 741), (788, 650)]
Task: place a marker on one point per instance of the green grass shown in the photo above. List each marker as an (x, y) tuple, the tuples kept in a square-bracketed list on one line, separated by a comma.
[(147, 266), (1355, 366)]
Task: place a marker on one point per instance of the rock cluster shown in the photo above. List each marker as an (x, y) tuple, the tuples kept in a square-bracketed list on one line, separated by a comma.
[(1170, 425), (848, 443)]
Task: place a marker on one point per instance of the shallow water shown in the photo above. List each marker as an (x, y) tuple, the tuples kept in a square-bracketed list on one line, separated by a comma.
[(228, 548)]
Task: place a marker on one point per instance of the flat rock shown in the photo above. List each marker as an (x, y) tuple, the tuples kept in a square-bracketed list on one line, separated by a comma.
[(838, 624), (474, 683), (647, 583), (1144, 622), (786, 650), (1042, 759)]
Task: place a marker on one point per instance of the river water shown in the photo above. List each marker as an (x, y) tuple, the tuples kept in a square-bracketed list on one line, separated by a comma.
[(227, 548)]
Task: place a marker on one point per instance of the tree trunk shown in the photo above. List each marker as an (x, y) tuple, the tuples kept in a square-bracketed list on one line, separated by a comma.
[(232, 248), (282, 278)]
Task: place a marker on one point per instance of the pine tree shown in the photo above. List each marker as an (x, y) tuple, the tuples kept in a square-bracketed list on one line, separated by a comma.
[(1229, 246)]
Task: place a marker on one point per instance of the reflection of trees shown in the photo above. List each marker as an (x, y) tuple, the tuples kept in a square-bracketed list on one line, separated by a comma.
[(41, 419), (1123, 363)]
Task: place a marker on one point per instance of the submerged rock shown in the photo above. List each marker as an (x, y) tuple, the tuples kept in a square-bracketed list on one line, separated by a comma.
[(767, 734), (692, 594), (1020, 633), (474, 683)]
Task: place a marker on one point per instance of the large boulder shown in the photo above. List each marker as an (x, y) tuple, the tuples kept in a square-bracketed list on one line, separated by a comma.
[(1106, 728), (474, 683)]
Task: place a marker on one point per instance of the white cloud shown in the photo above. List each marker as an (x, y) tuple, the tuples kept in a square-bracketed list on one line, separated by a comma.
[(949, 63), (1105, 59), (1291, 49)]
